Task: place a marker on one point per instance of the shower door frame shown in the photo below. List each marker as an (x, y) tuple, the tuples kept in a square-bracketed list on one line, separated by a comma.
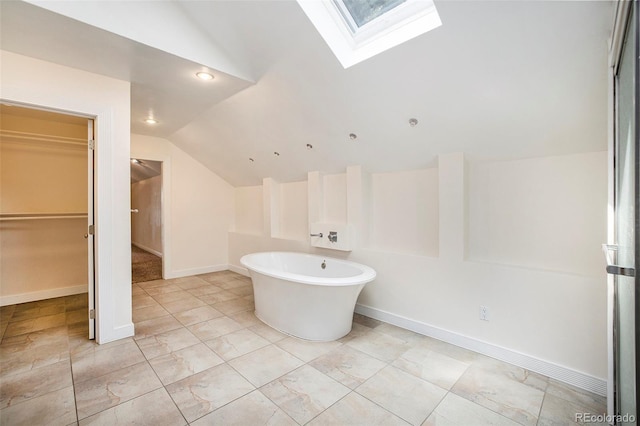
[(622, 32)]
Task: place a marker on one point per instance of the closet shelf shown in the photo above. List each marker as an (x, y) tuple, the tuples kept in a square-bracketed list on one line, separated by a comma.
[(39, 216)]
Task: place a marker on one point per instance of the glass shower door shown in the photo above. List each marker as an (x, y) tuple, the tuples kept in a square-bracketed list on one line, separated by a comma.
[(626, 212)]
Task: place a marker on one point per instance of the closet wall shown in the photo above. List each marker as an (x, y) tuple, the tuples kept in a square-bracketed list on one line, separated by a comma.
[(43, 205)]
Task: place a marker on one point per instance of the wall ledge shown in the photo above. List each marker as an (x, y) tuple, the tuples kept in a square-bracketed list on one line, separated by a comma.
[(43, 294), (546, 368)]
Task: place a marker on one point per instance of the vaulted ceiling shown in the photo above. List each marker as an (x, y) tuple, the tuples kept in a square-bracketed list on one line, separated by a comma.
[(497, 80)]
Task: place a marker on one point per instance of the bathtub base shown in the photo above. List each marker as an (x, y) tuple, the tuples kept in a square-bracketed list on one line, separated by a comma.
[(310, 312)]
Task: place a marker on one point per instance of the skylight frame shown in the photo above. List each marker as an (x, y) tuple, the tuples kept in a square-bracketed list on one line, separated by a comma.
[(351, 45)]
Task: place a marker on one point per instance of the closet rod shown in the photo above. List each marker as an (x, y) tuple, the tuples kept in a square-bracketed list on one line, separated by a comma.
[(37, 137), (39, 216)]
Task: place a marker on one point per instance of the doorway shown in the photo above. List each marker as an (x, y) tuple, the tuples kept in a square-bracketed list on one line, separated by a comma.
[(146, 220), (46, 217)]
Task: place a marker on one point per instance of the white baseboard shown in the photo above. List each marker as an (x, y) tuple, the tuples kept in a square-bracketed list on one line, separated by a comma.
[(546, 368), (197, 271), (43, 294), (239, 270), (145, 248)]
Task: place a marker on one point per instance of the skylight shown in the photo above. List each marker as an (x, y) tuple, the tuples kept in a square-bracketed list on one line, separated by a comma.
[(363, 12), (356, 30)]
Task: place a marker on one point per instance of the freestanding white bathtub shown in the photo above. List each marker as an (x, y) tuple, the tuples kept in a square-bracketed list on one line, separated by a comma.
[(296, 295)]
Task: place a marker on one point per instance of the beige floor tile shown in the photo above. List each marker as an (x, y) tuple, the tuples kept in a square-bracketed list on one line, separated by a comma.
[(22, 387), (253, 409), (348, 366), (16, 359), (306, 350), (166, 293), (265, 364), (499, 389), (267, 332), (595, 403), (151, 284), (245, 290), (136, 290), (214, 328), (221, 296), (208, 390), (234, 306), (142, 301), (356, 410), (557, 411), (99, 360), (74, 317), (236, 344), (183, 304), (76, 301), (172, 296), (382, 346), (167, 342), (304, 393), (196, 315), (434, 367), (454, 411), (366, 321), (204, 290), (38, 311), (232, 283), (190, 285), (184, 363), (103, 392), (156, 326), (405, 395), (149, 312), (25, 352), (246, 318), (53, 408), (35, 324), (154, 408)]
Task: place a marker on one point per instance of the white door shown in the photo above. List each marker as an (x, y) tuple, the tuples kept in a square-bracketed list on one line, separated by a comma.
[(90, 235)]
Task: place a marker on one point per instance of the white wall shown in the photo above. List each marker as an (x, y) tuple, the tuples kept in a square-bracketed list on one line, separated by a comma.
[(547, 315), (146, 224), (198, 209), (34, 82)]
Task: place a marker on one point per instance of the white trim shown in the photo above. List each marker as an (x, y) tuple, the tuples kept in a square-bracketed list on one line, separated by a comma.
[(145, 248), (197, 271), (239, 270), (549, 369), (42, 294)]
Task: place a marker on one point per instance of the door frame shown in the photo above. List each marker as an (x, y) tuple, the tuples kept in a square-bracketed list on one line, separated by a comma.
[(621, 20), (165, 201), (91, 207)]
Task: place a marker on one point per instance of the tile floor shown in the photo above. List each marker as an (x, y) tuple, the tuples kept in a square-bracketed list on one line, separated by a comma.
[(201, 357)]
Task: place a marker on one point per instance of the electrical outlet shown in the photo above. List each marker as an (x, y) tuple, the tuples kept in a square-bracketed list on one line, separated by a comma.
[(484, 313)]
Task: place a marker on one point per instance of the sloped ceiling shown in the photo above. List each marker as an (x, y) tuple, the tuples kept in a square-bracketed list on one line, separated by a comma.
[(496, 80)]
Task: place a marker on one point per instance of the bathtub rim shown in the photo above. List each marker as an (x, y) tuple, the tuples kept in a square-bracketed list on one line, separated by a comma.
[(367, 274)]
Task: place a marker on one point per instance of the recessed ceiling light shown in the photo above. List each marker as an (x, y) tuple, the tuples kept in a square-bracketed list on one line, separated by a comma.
[(276, 153), (413, 122), (151, 120), (353, 136), (309, 146), (204, 75)]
